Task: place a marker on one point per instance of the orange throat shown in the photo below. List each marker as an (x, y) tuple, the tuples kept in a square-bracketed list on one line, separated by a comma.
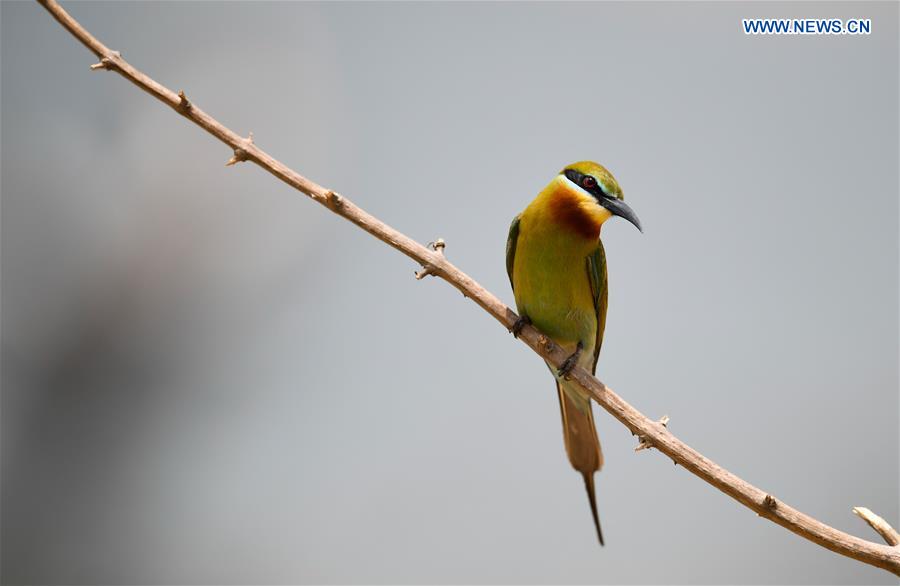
[(567, 209)]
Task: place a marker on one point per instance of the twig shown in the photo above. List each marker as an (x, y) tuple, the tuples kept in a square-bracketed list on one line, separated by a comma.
[(882, 527), (876, 554)]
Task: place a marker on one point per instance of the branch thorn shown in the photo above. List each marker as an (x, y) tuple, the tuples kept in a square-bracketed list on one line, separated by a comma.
[(429, 269), (546, 343), (644, 441), (240, 154), (184, 105), (106, 62), (334, 200)]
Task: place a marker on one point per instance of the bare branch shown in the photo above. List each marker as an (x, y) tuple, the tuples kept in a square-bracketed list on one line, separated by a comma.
[(652, 432)]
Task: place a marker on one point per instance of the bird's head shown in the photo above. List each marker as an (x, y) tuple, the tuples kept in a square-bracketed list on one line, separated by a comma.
[(597, 191)]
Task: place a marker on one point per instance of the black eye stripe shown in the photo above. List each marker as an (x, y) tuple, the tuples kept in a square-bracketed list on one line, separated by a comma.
[(578, 179), (574, 176)]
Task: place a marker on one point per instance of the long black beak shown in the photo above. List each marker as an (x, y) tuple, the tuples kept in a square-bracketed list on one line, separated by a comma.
[(621, 209)]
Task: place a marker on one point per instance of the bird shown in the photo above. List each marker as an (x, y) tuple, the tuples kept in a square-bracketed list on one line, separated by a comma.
[(557, 270)]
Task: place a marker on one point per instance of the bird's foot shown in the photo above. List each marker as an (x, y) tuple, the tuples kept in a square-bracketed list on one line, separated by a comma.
[(570, 362), (520, 323)]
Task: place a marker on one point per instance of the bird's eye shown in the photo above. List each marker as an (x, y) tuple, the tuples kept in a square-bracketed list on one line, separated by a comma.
[(588, 182)]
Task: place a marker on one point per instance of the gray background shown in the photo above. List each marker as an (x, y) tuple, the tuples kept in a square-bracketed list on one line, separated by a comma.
[(209, 379)]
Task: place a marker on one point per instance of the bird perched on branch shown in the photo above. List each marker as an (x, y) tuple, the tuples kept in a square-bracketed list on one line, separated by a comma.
[(557, 269)]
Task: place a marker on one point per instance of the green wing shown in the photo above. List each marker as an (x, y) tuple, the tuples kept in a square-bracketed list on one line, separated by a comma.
[(511, 242), (596, 270)]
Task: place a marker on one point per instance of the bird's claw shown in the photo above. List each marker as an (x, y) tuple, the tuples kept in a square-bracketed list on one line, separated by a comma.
[(570, 362), (566, 367), (520, 323)]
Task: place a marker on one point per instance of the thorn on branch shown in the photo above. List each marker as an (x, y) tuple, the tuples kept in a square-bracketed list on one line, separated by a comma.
[(644, 441), (335, 201), (184, 105), (107, 63), (882, 527), (240, 154), (429, 269), (545, 343), (104, 63)]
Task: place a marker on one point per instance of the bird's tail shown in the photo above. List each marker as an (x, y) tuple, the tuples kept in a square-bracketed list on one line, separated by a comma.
[(582, 443)]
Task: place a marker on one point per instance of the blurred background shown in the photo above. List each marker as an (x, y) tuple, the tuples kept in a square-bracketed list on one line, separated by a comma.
[(206, 378)]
